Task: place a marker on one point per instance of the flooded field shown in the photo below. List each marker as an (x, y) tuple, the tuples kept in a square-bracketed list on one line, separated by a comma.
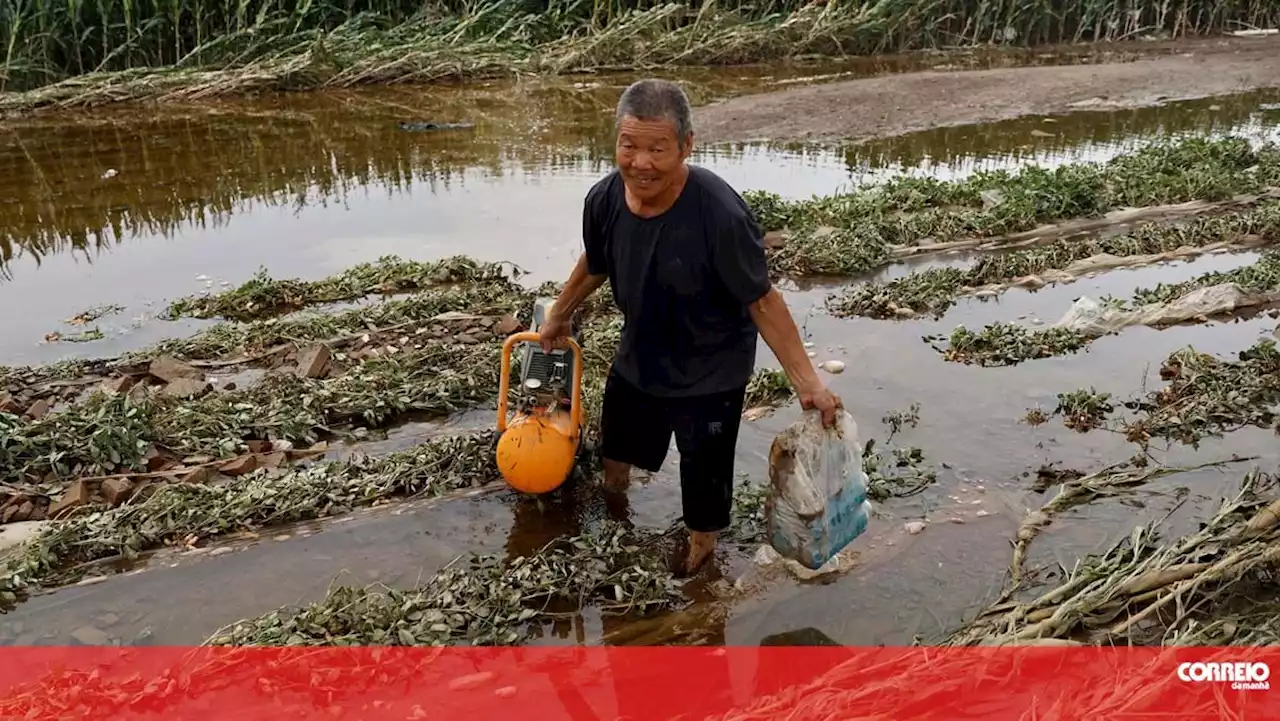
[(133, 210)]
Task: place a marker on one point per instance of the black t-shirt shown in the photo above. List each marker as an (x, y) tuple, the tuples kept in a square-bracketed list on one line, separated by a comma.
[(683, 281)]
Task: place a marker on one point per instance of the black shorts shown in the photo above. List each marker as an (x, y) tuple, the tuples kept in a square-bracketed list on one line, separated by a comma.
[(636, 428)]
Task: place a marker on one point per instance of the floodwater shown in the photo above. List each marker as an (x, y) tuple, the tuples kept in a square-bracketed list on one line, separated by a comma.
[(129, 208)]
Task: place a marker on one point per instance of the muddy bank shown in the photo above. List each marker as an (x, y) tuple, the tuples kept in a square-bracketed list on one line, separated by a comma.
[(895, 105)]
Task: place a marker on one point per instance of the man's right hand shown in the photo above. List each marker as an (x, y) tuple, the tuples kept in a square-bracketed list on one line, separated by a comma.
[(553, 331)]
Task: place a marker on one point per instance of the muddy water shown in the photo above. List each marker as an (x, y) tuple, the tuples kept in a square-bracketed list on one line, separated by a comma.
[(112, 209), (306, 187)]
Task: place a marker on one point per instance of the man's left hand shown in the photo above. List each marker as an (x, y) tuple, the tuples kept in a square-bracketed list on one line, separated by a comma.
[(821, 399)]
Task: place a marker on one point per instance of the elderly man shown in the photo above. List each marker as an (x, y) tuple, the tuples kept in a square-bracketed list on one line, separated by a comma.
[(686, 262)]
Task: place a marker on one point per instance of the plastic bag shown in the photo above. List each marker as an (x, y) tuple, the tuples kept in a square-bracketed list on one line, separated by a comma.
[(817, 502), (1096, 319)]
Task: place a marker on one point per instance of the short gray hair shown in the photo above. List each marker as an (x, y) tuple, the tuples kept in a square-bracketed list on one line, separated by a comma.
[(655, 99)]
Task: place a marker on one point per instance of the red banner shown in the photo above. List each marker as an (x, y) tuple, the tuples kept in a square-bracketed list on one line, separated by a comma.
[(638, 683)]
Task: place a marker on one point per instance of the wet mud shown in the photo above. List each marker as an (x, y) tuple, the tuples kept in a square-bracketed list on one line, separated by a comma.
[(886, 106), (307, 186)]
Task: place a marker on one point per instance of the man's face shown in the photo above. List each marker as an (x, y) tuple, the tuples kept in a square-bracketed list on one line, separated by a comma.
[(649, 155)]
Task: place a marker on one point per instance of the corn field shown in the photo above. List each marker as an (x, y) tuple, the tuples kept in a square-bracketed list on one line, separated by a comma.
[(46, 41)]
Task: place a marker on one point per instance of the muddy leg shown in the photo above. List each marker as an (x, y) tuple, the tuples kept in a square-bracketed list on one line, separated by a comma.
[(706, 430), (617, 480), (617, 476), (702, 545), (633, 432)]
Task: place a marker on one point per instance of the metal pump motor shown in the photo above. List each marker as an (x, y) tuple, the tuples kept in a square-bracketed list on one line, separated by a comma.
[(539, 445), (546, 375)]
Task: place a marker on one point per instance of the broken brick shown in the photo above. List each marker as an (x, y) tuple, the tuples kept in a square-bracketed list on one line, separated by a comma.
[(274, 460), (119, 384), (170, 369), (8, 404), (195, 475), (24, 511), (117, 490), (508, 325), (186, 388), (313, 361), (239, 466), (77, 495), (39, 409)]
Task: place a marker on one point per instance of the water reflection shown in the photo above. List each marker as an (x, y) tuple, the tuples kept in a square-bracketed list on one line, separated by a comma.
[(116, 208), (82, 185)]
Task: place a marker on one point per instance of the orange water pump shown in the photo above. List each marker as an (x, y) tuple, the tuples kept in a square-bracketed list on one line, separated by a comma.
[(539, 445)]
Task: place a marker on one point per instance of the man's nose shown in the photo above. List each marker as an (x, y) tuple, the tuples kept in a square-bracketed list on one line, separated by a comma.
[(642, 161)]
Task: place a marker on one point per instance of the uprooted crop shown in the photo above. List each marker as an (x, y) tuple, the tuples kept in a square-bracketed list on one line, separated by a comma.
[(1204, 396), (485, 601), (935, 290), (1208, 396), (1262, 276), (1008, 344), (496, 599), (231, 343), (264, 296), (235, 48), (1146, 591), (112, 432), (908, 211), (173, 513)]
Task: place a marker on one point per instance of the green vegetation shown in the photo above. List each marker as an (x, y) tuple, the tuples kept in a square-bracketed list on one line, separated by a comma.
[(485, 601), (112, 432), (1204, 579), (851, 234), (171, 514), (1205, 396), (264, 296), (1007, 344), (412, 371), (119, 50), (936, 290), (1260, 277)]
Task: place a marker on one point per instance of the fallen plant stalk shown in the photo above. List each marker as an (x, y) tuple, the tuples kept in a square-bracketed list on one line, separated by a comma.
[(1092, 599), (264, 296), (227, 49), (1007, 344), (172, 513), (855, 233), (934, 291), (1109, 481)]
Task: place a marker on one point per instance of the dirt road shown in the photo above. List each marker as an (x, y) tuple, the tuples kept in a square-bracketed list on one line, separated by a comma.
[(897, 104)]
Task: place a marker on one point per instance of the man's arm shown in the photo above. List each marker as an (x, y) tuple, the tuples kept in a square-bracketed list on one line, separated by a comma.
[(581, 284), (773, 319), (743, 267), (589, 273)]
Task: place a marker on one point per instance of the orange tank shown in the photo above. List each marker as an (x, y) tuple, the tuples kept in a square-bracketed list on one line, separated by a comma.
[(537, 449)]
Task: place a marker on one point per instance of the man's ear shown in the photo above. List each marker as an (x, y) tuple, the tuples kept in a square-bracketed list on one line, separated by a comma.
[(688, 147)]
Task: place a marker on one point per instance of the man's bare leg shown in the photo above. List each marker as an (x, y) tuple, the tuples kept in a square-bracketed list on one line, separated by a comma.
[(617, 475), (701, 547)]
